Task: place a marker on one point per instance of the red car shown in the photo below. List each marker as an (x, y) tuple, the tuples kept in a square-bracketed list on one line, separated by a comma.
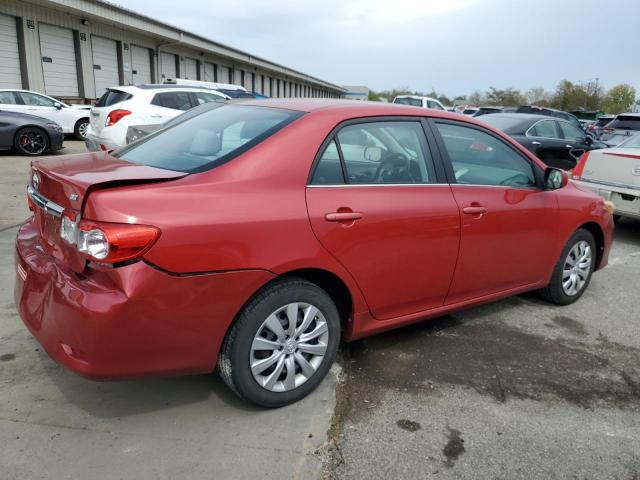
[(256, 236)]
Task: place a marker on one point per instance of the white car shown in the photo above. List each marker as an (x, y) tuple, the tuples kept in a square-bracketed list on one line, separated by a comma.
[(74, 119), (417, 101), (121, 107), (614, 174)]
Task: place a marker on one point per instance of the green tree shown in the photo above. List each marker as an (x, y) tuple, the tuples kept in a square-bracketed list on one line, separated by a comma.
[(619, 99), (508, 97)]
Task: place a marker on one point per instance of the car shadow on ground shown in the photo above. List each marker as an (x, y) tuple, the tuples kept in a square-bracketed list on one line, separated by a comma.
[(627, 231)]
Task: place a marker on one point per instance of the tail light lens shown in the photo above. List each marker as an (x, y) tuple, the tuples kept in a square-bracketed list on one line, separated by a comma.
[(608, 129), (115, 116), (69, 226), (114, 242), (579, 168)]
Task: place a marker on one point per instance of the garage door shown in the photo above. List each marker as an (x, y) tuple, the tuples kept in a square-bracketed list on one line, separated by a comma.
[(105, 64), (223, 75), (140, 64), (190, 69), (58, 61), (9, 58), (168, 66), (209, 72), (267, 86)]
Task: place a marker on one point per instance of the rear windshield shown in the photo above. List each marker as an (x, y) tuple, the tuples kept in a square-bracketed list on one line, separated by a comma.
[(601, 122), (634, 142), (625, 122), (236, 93), (505, 124), (209, 139), (111, 97), (414, 102)]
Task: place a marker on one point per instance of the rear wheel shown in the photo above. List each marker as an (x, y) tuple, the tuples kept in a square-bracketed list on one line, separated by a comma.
[(80, 129), (572, 273), (31, 141), (282, 344)]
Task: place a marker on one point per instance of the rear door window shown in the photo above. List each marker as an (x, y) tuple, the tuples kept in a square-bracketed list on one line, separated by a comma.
[(544, 129), (432, 104), (173, 100), (206, 97), (479, 158)]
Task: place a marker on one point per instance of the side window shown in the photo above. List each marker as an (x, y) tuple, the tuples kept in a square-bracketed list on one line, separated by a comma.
[(571, 133), (173, 100), (35, 100), (386, 152), (432, 104), (544, 129), (328, 169), (7, 98), (479, 158), (204, 97)]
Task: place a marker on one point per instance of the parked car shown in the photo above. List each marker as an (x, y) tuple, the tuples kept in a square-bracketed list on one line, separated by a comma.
[(620, 129), (470, 111), (73, 119), (556, 142), (230, 90), (486, 110), (550, 112), (121, 107), (614, 174), (29, 134), (596, 127), (258, 235), (418, 101)]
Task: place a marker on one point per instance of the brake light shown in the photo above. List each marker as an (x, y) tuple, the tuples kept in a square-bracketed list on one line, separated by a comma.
[(115, 116), (30, 204), (608, 129), (114, 242), (579, 168)]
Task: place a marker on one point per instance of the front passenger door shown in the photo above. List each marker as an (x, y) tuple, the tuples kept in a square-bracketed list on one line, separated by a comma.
[(508, 223)]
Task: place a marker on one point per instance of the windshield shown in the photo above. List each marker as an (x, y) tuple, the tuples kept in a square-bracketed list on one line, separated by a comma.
[(625, 122), (414, 102), (501, 123), (633, 142), (209, 139)]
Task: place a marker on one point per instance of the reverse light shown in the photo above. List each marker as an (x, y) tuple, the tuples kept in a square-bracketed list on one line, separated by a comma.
[(114, 242), (115, 116)]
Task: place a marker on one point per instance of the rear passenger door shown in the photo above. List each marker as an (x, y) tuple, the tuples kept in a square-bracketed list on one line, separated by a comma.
[(379, 203), (544, 138), (508, 228)]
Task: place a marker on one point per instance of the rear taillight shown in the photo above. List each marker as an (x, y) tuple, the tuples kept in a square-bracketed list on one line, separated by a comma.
[(107, 242), (114, 242), (608, 130), (579, 168), (115, 116)]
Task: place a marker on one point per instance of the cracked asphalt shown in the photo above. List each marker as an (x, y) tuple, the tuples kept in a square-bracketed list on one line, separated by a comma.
[(516, 389)]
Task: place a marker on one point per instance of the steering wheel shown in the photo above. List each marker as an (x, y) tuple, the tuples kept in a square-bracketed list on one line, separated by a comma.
[(515, 180), (394, 167)]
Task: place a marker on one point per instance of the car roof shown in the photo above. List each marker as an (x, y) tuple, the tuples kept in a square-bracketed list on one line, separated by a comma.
[(354, 107)]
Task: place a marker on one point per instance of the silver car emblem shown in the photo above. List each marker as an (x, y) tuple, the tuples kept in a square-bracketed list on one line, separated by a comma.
[(35, 180), (73, 196), (636, 170)]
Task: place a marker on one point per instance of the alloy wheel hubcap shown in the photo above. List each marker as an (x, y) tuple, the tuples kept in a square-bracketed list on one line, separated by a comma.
[(32, 142), (289, 347), (82, 129), (577, 267)]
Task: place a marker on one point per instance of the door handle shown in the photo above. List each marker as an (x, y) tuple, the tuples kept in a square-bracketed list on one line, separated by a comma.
[(474, 210), (535, 143), (155, 116), (342, 216), (568, 146)]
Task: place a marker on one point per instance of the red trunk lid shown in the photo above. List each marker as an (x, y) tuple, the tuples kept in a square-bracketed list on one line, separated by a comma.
[(64, 182)]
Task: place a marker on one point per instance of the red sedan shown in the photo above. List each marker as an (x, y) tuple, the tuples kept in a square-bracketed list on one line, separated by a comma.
[(256, 236)]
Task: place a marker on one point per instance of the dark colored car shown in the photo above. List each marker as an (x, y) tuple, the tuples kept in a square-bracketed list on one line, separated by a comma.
[(257, 236), (556, 142), (596, 127), (486, 110), (28, 134), (550, 112)]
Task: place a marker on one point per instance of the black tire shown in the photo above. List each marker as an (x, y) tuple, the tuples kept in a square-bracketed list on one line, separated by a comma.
[(554, 292), (616, 219), (80, 127), (31, 141), (234, 358)]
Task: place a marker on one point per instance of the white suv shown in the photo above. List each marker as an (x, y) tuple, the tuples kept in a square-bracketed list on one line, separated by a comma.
[(73, 119), (417, 101), (121, 107)]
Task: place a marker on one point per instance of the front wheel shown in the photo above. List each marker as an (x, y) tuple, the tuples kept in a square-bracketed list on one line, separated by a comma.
[(31, 141), (572, 273), (282, 345), (80, 129)]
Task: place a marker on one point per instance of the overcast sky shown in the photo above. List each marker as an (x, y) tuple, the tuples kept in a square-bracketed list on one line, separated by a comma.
[(453, 46)]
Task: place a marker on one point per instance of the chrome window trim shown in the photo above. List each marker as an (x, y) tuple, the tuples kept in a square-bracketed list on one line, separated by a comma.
[(45, 204), (355, 185), (526, 134)]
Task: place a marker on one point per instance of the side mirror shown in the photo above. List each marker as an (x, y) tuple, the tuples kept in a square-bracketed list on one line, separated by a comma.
[(58, 105), (372, 154), (554, 178)]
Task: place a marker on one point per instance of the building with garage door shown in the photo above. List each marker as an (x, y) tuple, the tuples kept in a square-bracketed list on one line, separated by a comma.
[(75, 49)]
